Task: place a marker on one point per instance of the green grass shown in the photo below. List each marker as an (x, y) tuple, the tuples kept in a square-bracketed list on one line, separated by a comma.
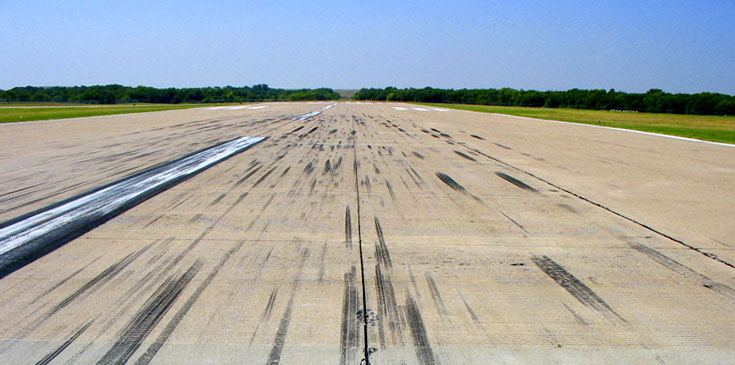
[(704, 127), (38, 112)]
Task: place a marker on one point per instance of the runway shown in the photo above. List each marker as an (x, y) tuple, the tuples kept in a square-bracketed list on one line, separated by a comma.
[(444, 236)]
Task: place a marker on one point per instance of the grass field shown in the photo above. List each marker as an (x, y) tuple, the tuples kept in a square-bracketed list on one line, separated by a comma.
[(25, 113), (705, 127)]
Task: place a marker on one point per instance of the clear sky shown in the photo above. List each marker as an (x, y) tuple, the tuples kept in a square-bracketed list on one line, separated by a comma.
[(678, 46)]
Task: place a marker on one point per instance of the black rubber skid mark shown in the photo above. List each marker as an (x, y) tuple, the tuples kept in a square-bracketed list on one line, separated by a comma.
[(181, 313), (575, 287), (133, 334), (463, 155), (383, 256), (450, 182), (421, 343), (350, 329), (684, 270), (348, 226), (516, 182), (53, 354)]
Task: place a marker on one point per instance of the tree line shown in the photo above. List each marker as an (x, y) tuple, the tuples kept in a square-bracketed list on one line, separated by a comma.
[(114, 94), (653, 101)]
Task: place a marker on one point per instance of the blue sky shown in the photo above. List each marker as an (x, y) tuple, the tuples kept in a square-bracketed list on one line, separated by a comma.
[(678, 46)]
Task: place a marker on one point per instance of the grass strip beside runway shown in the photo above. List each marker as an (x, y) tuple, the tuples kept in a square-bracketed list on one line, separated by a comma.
[(25, 114), (704, 127)]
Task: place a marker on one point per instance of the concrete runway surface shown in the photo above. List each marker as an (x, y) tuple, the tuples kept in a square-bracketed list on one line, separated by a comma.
[(446, 236)]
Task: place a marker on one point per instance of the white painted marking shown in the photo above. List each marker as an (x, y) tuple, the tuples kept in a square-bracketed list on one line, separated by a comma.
[(329, 106), (439, 110), (623, 130), (399, 108), (258, 107), (307, 115), (112, 197), (237, 107), (421, 109)]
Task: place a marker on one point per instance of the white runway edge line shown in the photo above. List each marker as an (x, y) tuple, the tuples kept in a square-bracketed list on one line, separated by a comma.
[(89, 210), (619, 129), (329, 106), (307, 115)]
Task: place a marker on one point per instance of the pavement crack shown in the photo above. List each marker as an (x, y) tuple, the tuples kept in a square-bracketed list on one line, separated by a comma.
[(356, 166)]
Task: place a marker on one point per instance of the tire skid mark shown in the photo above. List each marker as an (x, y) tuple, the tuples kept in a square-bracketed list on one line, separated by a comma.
[(417, 154), (683, 270), (413, 280), (312, 186), (196, 218), (516, 182), (576, 316), (269, 306), (217, 200), (53, 354), (417, 174), (381, 250), (166, 266), (181, 313), (435, 295), (321, 262), (279, 341), (575, 287), (463, 155), (502, 146), (348, 227), (412, 178), (471, 312), (309, 168), (450, 182), (64, 280), (388, 309), (568, 208), (132, 335), (390, 190), (246, 177), (153, 221), (179, 200), (476, 136), (513, 221), (125, 302), (421, 343), (349, 332), (262, 178), (98, 281), (337, 165)]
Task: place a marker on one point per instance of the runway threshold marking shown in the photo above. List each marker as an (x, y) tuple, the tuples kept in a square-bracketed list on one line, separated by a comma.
[(27, 238), (307, 115)]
